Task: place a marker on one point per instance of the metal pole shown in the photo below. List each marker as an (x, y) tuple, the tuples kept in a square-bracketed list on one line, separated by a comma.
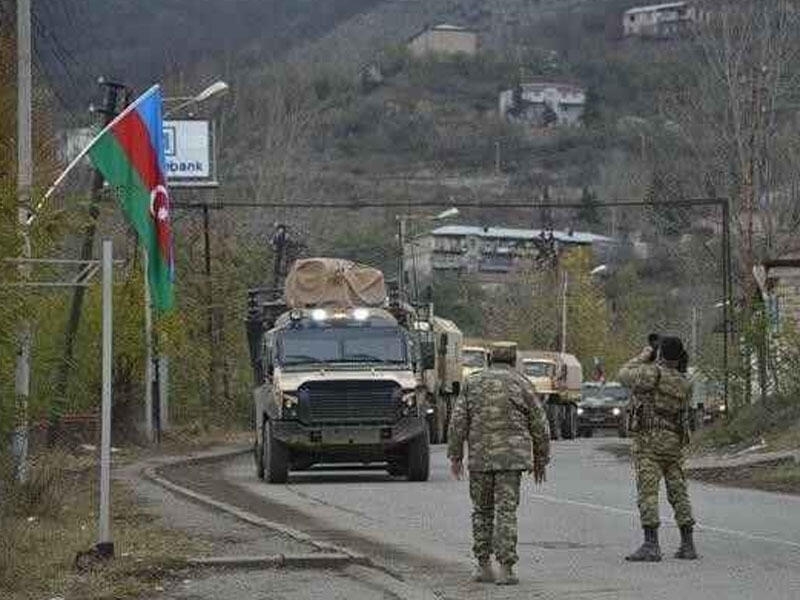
[(564, 314), (726, 308), (401, 240), (105, 546), (148, 343), (22, 380)]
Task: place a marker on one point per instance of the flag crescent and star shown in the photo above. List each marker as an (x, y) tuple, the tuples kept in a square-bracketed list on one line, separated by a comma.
[(129, 153)]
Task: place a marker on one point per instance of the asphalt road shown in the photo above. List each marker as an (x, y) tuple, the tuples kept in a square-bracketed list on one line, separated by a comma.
[(574, 530)]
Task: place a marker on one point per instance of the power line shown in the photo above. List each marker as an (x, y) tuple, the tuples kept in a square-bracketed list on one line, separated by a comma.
[(218, 205)]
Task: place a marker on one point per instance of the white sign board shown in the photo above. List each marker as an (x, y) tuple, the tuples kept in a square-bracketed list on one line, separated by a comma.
[(187, 149)]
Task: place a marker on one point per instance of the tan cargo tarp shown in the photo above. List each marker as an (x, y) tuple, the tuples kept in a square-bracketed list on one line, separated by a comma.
[(333, 282)]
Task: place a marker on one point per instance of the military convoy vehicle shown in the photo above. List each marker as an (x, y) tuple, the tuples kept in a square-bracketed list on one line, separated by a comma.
[(338, 373), (557, 378), (443, 381), (473, 359)]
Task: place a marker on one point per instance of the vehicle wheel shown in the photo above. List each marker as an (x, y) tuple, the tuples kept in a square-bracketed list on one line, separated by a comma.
[(257, 455), (274, 456), (418, 458), (554, 419), (570, 422)]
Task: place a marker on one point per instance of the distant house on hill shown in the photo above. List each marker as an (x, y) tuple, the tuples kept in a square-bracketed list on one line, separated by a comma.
[(544, 104), (444, 39), (660, 20), (493, 255)]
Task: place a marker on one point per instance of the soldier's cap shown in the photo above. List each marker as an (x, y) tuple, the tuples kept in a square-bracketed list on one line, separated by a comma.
[(671, 348), (504, 352)]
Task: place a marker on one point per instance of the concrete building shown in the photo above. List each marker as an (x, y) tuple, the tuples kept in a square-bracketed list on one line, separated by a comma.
[(444, 39), (544, 104), (660, 20), (493, 255)]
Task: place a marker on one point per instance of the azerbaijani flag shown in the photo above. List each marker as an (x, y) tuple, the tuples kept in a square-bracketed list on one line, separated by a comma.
[(129, 152)]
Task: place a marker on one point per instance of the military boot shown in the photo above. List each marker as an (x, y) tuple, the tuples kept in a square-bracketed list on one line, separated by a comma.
[(649, 551), (507, 576), (687, 550), (483, 572)]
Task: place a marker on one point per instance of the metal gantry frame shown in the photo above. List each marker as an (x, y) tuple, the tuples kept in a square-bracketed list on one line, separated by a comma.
[(723, 204)]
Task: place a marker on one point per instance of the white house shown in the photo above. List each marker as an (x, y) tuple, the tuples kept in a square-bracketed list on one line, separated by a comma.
[(544, 103), (660, 20), (444, 39)]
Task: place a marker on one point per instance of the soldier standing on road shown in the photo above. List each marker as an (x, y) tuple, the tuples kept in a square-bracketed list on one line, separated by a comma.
[(660, 398), (504, 425)]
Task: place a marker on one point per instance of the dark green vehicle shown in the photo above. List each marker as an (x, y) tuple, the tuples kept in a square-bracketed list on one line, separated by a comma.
[(603, 406)]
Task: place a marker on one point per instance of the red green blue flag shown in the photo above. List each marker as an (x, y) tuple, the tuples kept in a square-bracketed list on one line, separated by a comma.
[(129, 152)]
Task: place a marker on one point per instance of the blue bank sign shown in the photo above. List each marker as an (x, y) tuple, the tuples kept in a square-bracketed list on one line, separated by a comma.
[(187, 149)]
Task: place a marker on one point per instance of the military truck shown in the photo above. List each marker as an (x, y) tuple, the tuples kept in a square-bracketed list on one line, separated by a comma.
[(443, 381), (557, 377), (473, 359), (337, 374)]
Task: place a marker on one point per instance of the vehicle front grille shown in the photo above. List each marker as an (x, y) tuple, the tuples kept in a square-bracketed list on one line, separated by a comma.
[(349, 402)]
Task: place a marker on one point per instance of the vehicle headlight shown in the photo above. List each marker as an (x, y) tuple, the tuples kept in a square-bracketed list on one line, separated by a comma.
[(580, 410), (290, 403), (616, 412), (722, 408)]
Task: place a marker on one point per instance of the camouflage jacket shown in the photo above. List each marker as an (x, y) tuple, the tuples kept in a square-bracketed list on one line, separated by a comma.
[(502, 421), (660, 399)]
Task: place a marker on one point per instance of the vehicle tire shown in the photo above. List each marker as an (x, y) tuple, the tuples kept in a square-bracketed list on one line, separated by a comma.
[(418, 458), (258, 456), (570, 422), (554, 419), (274, 456)]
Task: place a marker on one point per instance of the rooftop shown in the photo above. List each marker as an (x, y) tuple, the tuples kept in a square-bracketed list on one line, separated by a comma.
[(655, 7), (574, 237)]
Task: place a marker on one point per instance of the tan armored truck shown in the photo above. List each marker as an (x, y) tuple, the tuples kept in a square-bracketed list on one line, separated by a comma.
[(473, 359), (442, 382), (557, 377), (337, 377)]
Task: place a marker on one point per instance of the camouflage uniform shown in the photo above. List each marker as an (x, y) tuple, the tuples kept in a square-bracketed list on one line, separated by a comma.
[(503, 423), (661, 397)]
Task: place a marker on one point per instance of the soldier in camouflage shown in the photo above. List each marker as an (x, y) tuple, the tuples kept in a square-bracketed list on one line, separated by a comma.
[(506, 431), (660, 397)]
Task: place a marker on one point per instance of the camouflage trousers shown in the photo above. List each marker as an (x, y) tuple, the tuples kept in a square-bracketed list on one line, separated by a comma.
[(650, 468), (495, 494)]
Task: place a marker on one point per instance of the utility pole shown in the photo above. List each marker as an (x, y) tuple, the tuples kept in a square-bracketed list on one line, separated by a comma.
[(108, 112), (564, 314), (22, 380), (401, 240)]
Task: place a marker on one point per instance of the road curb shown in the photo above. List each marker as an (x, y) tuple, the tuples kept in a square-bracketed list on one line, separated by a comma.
[(321, 560), (152, 474), (327, 556)]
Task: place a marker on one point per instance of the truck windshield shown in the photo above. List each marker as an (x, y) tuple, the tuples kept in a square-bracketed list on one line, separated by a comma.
[(539, 369), (605, 393), (342, 345), (474, 358)]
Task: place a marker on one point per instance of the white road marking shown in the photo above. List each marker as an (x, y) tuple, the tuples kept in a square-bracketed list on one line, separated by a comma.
[(627, 512)]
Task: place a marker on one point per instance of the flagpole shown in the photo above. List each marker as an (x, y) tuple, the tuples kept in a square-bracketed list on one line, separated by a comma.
[(148, 342), (86, 150)]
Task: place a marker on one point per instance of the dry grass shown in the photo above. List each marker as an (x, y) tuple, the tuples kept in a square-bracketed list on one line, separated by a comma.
[(45, 523)]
